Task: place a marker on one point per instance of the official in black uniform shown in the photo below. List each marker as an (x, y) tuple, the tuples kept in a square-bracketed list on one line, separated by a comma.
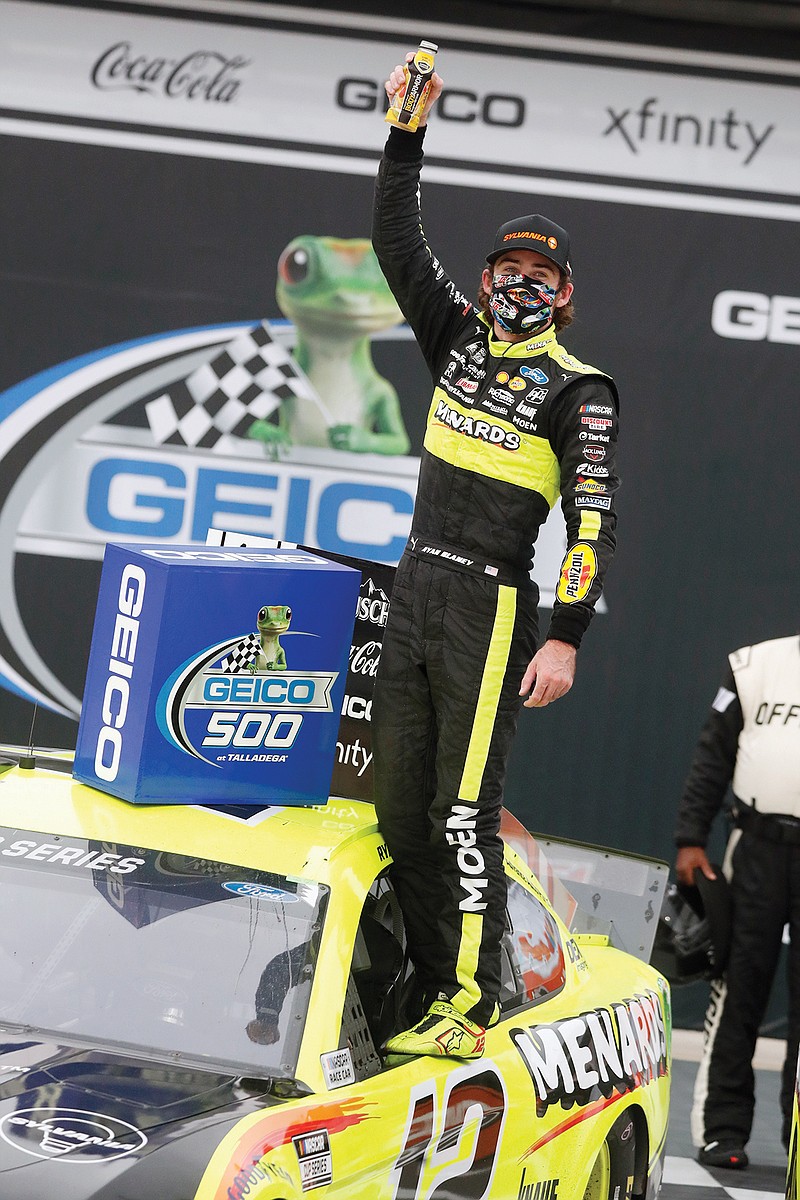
[(514, 423), (750, 741)]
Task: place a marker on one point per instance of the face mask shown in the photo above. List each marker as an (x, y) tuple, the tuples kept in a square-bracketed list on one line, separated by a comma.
[(520, 304)]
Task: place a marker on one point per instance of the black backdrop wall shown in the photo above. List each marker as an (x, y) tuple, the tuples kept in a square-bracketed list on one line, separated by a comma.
[(126, 213)]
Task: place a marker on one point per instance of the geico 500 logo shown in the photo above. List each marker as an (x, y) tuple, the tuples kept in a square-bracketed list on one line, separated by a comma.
[(754, 317), (205, 708), (259, 725)]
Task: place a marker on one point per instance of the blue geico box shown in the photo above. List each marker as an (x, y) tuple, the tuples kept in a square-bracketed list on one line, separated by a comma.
[(216, 675)]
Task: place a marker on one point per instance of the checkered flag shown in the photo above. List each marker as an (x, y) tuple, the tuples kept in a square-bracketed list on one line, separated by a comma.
[(242, 655), (247, 381)]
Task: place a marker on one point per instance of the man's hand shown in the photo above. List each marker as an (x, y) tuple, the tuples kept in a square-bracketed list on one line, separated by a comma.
[(397, 79), (552, 670), (689, 858), (263, 1032)]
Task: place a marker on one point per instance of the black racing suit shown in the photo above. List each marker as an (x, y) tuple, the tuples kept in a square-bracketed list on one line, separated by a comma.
[(510, 427), (762, 864)]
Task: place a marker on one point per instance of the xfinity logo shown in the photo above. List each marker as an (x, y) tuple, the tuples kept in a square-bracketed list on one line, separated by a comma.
[(199, 75), (649, 124), (753, 317)]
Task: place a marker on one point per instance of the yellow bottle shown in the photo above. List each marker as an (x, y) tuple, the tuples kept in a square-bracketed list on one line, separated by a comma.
[(408, 103)]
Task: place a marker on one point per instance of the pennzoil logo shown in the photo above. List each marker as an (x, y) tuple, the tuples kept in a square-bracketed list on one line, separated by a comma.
[(485, 431), (238, 699), (577, 573)]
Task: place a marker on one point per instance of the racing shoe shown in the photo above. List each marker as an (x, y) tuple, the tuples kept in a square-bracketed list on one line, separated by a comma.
[(443, 1032), (724, 1154)]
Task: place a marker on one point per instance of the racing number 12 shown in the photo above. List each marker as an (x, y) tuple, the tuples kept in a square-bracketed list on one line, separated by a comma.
[(483, 1090)]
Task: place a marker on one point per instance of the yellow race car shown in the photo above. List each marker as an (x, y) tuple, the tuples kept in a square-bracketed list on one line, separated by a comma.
[(193, 1001)]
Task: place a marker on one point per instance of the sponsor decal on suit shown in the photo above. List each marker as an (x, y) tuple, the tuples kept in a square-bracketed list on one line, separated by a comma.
[(577, 573)]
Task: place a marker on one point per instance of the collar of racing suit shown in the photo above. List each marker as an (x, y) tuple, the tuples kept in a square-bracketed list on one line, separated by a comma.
[(527, 349)]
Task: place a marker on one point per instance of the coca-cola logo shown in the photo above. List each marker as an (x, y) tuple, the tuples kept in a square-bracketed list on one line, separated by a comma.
[(364, 659), (199, 75)]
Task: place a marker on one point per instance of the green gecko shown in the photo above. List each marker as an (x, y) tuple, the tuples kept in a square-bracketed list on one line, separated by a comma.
[(272, 621), (334, 292)]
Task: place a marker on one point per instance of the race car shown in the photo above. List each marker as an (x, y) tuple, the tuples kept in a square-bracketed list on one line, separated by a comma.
[(193, 1002)]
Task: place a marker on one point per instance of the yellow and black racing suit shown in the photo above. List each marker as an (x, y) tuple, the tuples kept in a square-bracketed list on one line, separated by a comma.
[(511, 426)]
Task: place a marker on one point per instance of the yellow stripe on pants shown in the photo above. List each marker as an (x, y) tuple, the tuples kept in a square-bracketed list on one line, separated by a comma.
[(474, 766), (494, 670)]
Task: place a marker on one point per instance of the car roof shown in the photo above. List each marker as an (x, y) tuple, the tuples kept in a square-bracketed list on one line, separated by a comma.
[(297, 841)]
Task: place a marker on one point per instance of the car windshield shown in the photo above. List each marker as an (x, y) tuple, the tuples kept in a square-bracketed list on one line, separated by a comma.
[(139, 949)]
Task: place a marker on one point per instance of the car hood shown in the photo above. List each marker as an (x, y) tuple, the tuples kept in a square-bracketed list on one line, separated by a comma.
[(82, 1124)]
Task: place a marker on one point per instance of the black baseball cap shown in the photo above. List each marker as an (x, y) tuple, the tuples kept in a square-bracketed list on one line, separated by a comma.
[(533, 232)]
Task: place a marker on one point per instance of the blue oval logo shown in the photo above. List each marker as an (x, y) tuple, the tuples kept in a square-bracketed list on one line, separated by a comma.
[(534, 373), (262, 891)]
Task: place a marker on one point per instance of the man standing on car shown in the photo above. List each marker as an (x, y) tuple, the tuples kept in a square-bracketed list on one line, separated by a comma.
[(514, 421), (751, 741)]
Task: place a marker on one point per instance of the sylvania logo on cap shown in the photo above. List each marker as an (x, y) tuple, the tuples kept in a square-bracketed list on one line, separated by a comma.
[(536, 237)]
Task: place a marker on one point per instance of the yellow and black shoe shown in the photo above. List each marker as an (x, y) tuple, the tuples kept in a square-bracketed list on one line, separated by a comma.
[(443, 1032)]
